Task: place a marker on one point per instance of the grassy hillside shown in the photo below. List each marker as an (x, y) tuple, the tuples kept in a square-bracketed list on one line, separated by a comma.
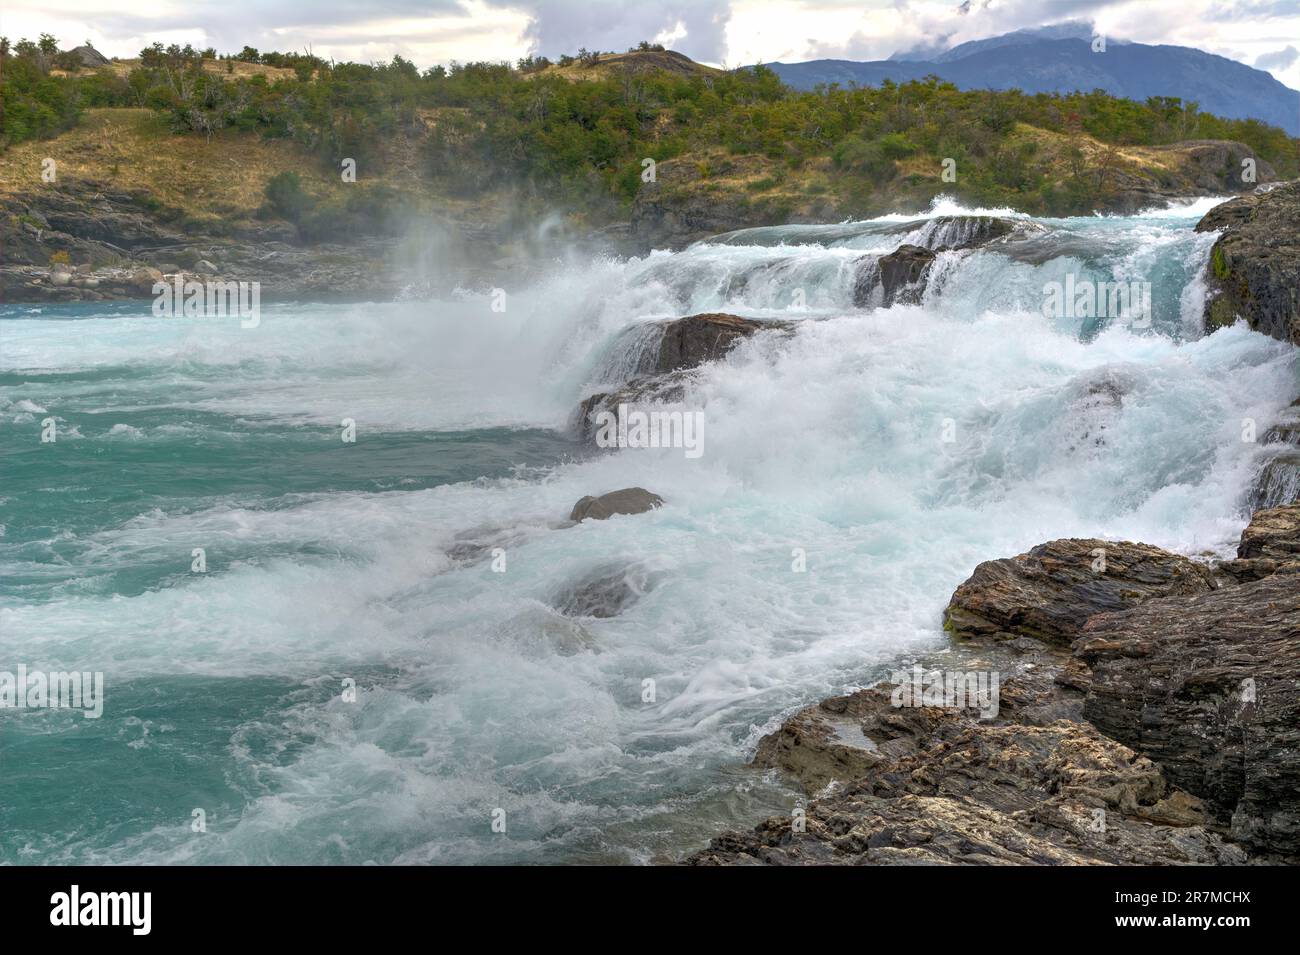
[(265, 134)]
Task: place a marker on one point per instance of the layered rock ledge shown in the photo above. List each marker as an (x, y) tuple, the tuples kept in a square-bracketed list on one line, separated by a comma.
[(1147, 714)]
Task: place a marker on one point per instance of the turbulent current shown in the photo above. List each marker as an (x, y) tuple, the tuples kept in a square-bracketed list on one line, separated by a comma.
[(853, 473)]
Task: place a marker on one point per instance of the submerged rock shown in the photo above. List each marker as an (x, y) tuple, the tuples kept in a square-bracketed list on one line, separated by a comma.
[(604, 592), (1051, 591), (1097, 403), (1254, 270), (971, 232), (629, 500)]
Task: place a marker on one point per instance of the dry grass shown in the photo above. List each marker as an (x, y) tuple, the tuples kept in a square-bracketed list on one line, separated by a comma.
[(132, 149), (223, 178), (218, 67), (638, 61), (1056, 147)]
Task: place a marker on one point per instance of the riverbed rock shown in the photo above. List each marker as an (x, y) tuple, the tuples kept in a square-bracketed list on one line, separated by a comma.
[(629, 500), (692, 341), (1254, 270), (896, 278), (1278, 480), (1049, 592), (972, 794), (604, 591), (1206, 686), (639, 394), (1272, 532), (663, 371), (970, 232)]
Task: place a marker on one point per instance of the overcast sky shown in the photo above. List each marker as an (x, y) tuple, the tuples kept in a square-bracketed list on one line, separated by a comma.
[(1261, 33)]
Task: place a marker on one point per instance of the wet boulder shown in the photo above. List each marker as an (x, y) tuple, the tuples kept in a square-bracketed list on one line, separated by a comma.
[(896, 278), (1254, 270), (697, 339), (1049, 592), (629, 500)]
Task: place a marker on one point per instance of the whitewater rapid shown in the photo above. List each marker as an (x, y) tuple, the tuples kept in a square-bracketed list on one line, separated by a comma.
[(331, 562)]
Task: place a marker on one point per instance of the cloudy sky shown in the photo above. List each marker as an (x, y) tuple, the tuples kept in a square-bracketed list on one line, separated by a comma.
[(1261, 33)]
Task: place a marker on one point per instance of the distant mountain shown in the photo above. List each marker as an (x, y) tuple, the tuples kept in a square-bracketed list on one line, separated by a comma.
[(1060, 59)]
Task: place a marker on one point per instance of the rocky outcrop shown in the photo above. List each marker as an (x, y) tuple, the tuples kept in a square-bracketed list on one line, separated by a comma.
[(89, 56), (896, 278), (82, 240), (1278, 481), (663, 371), (1272, 533), (1206, 686), (1016, 795), (696, 339), (629, 500), (1168, 734), (1051, 591), (1254, 270), (931, 785)]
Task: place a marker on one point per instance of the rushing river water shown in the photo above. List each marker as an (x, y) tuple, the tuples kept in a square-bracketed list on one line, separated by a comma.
[(893, 448)]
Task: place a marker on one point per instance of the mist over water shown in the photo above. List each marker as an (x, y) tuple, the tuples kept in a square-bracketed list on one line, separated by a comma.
[(368, 561)]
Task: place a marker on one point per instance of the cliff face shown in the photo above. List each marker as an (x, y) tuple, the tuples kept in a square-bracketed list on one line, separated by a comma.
[(1254, 270)]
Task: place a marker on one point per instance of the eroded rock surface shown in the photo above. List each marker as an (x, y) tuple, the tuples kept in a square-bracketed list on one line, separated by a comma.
[(1254, 270), (604, 591), (937, 786), (1207, 687), (1272, 532), (1051, 591), (1168, 734)]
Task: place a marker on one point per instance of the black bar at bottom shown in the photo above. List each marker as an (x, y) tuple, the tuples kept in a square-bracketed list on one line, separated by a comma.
[(211, 905)]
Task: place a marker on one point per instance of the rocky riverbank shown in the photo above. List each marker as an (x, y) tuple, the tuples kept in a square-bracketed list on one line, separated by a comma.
[(1254, 270), (688, 201), (86, 241), (1146, 714)]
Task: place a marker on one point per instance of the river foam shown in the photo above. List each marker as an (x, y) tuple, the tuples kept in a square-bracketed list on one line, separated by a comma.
[(887, 451)]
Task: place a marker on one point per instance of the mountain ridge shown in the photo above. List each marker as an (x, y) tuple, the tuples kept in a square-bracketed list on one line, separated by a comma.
[(1040, 64)]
